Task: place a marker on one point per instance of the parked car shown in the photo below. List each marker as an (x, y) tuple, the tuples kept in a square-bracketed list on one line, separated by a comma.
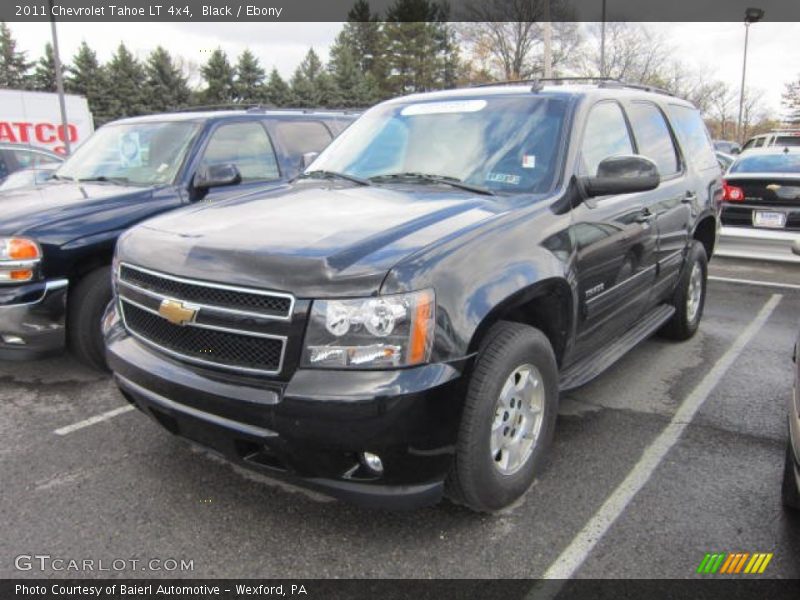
[(30, 177), (16, 157), (727, 146), (400, 321), (57, 239), (761, 204), (724, 160), (779, 137), (790, 489)]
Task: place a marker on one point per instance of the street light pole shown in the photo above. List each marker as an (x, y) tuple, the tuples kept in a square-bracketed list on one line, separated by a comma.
[(603, 41), (751, 15), (59, 82), (548, 42)]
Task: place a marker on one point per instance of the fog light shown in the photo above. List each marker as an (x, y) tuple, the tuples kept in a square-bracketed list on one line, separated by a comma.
[(13, 339), (373, 462)]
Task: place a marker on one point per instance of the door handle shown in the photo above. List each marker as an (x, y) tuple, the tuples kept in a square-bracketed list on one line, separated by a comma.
[(645, 216), (689, 198)]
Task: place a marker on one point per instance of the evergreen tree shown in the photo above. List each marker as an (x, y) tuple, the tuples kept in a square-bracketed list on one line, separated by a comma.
[(86, 77), (362, 38), (277, 91), (44, 76), (250, 76), (327, 91), (14, 65), (126, 81), (304, 83), (355, 88), (219, 77), (166, 87)]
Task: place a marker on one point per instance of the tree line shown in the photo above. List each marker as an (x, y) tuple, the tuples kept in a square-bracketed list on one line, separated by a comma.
[(411, 48)]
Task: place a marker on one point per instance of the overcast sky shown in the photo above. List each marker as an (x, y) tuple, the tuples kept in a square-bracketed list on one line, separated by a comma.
[(716, 48)]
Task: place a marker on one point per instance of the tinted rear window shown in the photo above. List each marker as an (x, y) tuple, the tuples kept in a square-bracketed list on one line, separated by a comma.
[(768, 163), (693, 137)]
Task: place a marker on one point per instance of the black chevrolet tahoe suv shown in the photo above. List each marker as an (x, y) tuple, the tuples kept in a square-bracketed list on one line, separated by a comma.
[(398, 323), (57, 238)]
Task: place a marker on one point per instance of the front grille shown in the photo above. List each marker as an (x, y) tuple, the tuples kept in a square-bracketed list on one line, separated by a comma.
[(200, 344), (223, 297)]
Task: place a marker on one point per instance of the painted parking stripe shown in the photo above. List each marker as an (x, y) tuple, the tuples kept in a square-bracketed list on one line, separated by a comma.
[(95, 419), (769, 284), (578, 550)]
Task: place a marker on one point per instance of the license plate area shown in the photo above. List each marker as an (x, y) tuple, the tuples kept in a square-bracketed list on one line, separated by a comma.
[(769, 219)]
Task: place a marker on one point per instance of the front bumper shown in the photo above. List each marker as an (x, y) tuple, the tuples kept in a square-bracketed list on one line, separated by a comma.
[(32, 319), (758, 244), (312, 428)]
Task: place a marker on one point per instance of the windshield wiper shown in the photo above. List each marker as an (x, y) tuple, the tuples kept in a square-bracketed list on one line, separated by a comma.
[(104, 178), (451, 181), (335, 175), (61, 177)]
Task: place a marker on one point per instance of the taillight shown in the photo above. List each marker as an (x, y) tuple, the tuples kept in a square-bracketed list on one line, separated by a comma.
[(731, 193)]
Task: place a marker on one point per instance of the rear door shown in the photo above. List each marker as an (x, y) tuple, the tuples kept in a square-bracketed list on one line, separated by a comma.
[(669, 205), (613, 239)]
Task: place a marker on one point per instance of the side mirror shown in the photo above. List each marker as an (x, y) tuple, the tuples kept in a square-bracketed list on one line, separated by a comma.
[(309, 158), (622, 175), (736, 150), (217, 176)]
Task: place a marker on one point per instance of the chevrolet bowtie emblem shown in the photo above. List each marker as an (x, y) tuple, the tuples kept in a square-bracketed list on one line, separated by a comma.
[(774, 187), (176, 311)]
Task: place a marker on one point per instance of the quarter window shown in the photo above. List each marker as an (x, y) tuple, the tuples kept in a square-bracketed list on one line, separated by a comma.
[(693, 136), (299, 137), (606, 134), (653, 137), (245, 145)]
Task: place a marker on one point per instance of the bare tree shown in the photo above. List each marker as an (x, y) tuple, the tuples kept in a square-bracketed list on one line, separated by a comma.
[(634, 53)]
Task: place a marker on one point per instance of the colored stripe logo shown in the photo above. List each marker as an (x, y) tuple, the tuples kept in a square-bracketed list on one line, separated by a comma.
[(735, 563)]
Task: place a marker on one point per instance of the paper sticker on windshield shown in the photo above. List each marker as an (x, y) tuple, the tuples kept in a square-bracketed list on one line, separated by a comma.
[(436, 108), (529, 161), (503, 178), (130, 151)]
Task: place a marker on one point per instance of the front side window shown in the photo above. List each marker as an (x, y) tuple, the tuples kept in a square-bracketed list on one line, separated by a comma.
[(787, 140), (653, 137), (145, 153), (606, 135), (508, 144), (299, 137), (247, 147)]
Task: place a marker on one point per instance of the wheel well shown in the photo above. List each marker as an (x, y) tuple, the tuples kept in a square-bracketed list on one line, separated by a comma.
[(706, 234), (548, 308), (82, 268)]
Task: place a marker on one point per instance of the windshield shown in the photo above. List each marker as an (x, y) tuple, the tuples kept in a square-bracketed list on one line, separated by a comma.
[(504, 144), (785, 162), (134, 153)]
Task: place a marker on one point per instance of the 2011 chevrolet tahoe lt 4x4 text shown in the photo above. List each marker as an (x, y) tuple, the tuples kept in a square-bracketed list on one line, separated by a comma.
[(398, 323)]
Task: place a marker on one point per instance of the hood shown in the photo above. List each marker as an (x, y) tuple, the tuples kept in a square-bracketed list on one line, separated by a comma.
[(49, 208), (311, 239)]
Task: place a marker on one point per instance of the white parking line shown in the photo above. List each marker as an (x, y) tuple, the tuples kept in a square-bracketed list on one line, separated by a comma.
[(576, 553), (95, 419), (770, 284)]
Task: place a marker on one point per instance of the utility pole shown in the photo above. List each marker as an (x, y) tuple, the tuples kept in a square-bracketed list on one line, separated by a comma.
[(751, 15), (548, 42), (59, 82), (603, 41)]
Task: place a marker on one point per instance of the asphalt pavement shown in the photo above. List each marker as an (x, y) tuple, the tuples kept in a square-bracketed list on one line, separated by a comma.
[(674, 452)]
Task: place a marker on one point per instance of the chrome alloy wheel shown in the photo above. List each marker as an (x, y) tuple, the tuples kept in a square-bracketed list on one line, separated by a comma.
[(695, 294), (518, 418)]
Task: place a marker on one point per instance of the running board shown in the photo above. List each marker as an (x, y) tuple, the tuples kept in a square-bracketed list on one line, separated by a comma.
[(587, 369)]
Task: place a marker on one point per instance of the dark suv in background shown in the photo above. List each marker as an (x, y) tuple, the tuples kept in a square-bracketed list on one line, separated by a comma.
[(398, 323), (57, 238)]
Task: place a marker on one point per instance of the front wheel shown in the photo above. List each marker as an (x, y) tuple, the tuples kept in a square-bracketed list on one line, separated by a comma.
[(508, 420), (690, 296), (86, 305)]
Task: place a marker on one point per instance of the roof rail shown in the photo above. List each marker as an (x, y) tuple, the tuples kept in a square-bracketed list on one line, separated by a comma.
[(538, 83)]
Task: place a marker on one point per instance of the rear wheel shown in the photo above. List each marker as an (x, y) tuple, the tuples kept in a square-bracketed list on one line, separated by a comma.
[(86, 305), (789, 492), (690, 296), (508, 421)]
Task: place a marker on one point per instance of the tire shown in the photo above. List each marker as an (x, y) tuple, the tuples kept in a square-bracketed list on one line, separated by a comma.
[(479, 478), (790, 495), (684, 323), (86, 304)]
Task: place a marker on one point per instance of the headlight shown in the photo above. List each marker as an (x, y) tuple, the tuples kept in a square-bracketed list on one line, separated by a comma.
[(19, 259), (370, 333)]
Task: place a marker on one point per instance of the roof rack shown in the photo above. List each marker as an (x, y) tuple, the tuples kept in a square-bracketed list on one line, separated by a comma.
[(538, 83)]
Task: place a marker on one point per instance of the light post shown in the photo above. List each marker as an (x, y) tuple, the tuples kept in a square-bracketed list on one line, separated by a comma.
[(59, 82), (751, 15)]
